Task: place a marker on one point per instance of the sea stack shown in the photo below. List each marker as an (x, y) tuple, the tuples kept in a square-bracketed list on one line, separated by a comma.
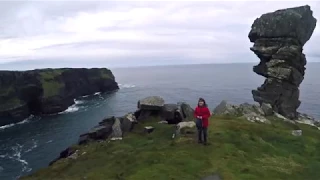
[(278, 39)]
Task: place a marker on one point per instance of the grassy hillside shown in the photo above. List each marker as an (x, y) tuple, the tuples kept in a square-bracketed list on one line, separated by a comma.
[(239, 150)]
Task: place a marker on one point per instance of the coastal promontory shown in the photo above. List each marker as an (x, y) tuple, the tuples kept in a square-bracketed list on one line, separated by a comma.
[(48, 91)]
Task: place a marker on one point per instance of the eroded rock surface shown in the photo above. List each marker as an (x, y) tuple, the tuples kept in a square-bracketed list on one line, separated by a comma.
[(278, 39)]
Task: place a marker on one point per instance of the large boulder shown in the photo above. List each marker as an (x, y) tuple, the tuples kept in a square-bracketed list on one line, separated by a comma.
[(187, 111), (127, 122), (99, 132), (171, 113), (151, 103), (116, 130), (226, 109), (64, 154), (278, 39), (251, 112)]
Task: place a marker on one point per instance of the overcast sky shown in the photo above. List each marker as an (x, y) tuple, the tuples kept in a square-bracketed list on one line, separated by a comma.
[(134, 33)]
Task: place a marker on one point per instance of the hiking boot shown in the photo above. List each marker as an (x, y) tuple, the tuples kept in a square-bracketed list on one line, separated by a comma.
[(205, 143), (200, 142)]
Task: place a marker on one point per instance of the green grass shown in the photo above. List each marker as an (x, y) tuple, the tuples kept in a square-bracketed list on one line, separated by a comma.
[(51, 86), (6, 90), (13, 102), (239, 150)]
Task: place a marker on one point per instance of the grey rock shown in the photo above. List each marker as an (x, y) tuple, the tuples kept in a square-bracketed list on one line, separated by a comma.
[(247, 108), (151, 103), (127, 122), (171, 113), (296, 132), (148, 129), (306, 119), (163, 122), (296, 22), (254, 117), (187, 111), (100, 132), (267, 109), (116, 130), (226, 109), (278, 41)]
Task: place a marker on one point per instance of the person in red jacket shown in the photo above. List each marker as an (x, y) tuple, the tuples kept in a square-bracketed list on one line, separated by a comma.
[(202, 114)]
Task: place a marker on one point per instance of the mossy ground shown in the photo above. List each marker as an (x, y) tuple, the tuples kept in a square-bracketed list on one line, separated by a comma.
[(238, 150), (51, 86)]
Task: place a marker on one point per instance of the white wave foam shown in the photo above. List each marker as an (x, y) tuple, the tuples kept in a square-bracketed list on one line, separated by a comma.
[(50, 141), (17, 156), (6, 126), (21, 122), (97, 93), (78, 101), (35, 145), (71, 109), (85, 96), (124, 86)]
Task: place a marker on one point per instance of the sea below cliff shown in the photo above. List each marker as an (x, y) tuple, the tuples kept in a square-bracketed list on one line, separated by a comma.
[(33, 143)]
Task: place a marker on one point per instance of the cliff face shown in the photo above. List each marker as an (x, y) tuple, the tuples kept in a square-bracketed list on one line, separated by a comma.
[(48, 91), (278, 39)]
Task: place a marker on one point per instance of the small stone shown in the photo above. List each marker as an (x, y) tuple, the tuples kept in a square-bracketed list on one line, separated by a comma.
[(296, 132), (148, 129), (163, 122)]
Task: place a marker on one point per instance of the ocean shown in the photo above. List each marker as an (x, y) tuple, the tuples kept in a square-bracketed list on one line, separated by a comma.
[(33, 143)]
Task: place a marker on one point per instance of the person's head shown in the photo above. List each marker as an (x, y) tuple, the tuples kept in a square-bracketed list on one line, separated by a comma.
[(202, 102)]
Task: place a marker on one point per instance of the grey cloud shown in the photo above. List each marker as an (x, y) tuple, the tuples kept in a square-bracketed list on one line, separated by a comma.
[(25, 19)]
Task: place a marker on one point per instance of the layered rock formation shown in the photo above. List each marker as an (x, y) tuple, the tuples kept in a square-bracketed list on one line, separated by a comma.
[(48, 91), (278, 39)]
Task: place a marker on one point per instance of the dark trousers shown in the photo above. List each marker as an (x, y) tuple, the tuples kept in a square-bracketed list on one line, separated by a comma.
[(202, 131)]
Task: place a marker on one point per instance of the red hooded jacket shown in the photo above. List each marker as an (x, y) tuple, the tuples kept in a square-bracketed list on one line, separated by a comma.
[(205, 113)]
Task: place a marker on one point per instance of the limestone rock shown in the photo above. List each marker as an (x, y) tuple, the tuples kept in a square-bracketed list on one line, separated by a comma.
[(306, 119), (128, 122), (148, 129), (278, 39), (187, 111), (99, 132), (226, 109), (296, 132), (246, 108), (296, 22), (267, 109), (151, 103), (116, 130), (254, 117), (171, 113)]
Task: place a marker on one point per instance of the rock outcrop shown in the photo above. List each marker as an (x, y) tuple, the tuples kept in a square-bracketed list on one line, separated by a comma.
[(251, 112), (115, 128), (48, 91), (155, 106), (278, 39)]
